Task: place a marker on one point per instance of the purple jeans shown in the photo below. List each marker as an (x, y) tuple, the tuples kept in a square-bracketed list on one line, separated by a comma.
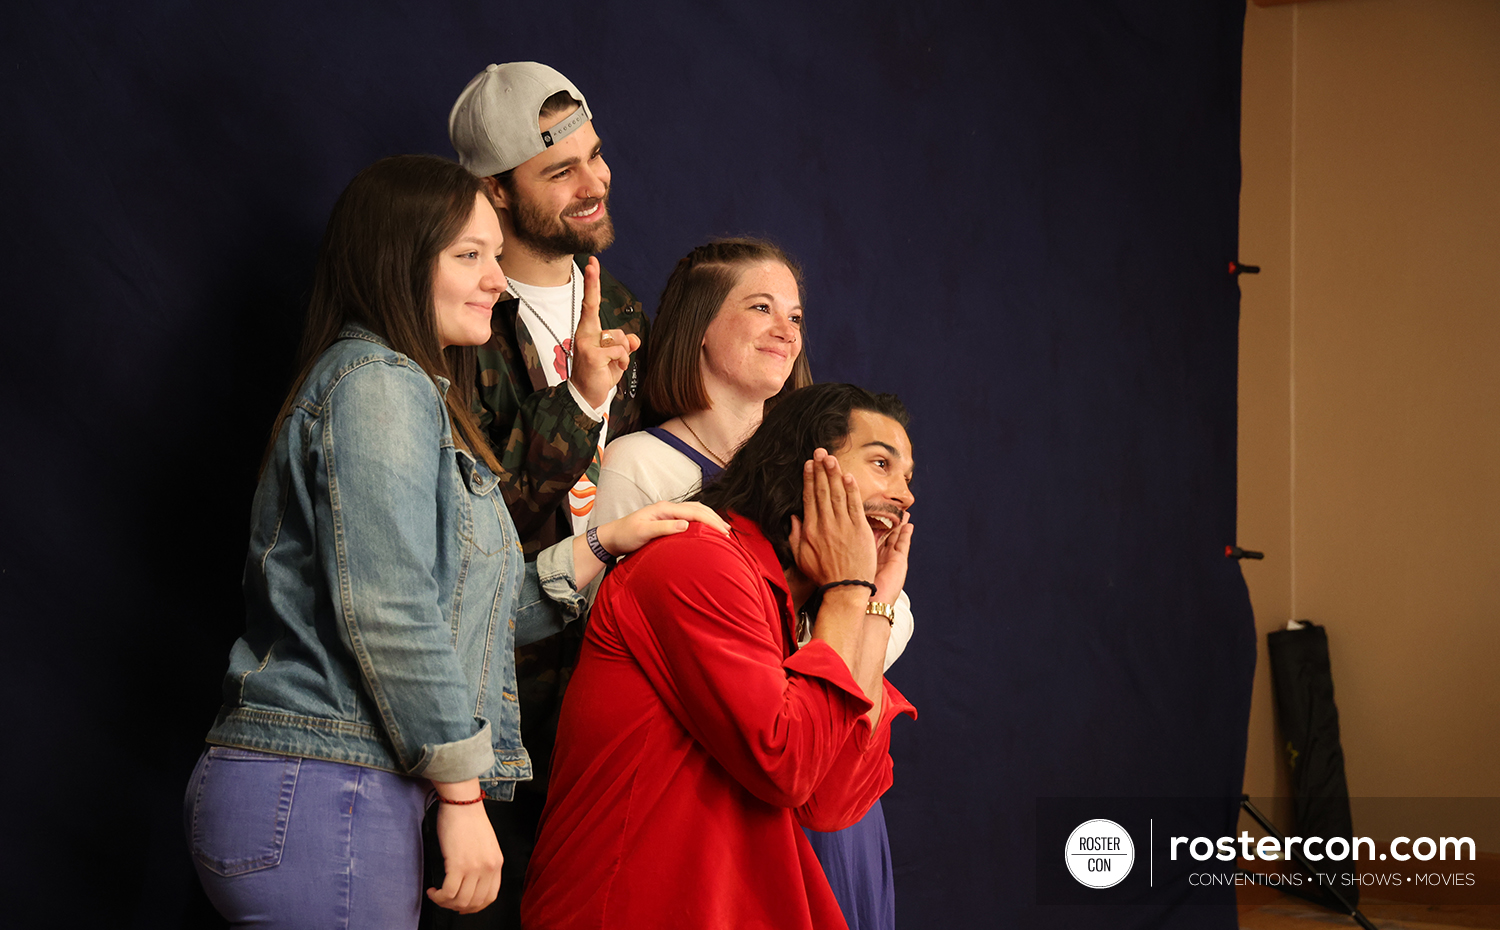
[(284, 842)]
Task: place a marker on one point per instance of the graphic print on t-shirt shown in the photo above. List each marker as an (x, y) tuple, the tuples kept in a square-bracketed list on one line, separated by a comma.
[(581, 495), (547, 313)]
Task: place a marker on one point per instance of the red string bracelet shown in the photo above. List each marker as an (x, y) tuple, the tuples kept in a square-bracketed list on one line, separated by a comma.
[(474, 801)]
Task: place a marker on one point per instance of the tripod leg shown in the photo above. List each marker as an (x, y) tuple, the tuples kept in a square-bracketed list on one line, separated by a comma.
[(1266, 825)]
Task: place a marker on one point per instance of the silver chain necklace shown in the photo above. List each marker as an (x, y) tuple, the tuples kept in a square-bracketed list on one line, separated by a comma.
[(572, 312)]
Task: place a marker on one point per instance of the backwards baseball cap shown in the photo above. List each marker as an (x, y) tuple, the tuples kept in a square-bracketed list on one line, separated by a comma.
[(494, 124)]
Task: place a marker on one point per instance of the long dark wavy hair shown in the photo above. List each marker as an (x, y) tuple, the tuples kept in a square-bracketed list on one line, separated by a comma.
[(375, 268), (764, 479)]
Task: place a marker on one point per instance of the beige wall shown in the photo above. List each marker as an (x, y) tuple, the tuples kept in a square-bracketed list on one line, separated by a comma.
[(1369, 468)]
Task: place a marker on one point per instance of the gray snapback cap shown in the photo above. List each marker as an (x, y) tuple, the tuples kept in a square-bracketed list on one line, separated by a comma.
[(494, 126)]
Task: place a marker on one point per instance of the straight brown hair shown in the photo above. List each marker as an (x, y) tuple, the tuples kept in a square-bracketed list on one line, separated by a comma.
[(694, 295), (375, 268)]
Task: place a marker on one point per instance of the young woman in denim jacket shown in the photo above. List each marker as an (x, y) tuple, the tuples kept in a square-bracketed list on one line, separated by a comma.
[(385, 587)]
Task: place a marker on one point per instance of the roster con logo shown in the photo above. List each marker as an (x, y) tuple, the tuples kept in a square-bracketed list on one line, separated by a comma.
[(1099, 853)]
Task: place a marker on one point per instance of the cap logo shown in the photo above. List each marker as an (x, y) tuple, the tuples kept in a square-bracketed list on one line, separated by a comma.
[(564, 128)]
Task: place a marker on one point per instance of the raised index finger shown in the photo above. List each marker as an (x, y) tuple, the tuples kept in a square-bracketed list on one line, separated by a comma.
[(588, 318)]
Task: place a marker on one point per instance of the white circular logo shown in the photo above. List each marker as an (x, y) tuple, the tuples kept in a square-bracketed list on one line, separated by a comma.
[(1099, 853)]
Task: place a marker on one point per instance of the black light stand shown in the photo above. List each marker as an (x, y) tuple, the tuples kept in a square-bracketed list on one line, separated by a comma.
[(1256, 878)]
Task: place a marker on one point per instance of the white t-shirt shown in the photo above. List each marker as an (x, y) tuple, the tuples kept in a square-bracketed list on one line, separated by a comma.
[(560, 307), (640, 469)]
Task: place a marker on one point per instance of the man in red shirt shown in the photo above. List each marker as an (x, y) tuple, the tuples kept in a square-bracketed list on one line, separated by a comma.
[(696, 736)]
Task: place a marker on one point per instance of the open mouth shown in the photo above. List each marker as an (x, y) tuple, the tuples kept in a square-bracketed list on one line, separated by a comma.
[(880, 523), (587, 212)]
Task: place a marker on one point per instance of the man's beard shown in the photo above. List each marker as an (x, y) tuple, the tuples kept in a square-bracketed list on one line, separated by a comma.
[(550, 236)]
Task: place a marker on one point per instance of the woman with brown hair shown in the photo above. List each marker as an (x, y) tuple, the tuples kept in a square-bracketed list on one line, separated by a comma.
[(385, 587), (727, 342)]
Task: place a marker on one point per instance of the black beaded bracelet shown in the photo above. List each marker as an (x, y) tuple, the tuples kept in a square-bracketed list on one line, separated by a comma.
[(602, 554), (823, 589)]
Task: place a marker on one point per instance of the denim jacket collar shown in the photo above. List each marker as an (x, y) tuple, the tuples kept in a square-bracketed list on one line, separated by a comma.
[(359, 331)]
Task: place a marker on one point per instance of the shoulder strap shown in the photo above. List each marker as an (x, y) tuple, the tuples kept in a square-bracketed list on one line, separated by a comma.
[(708, 466)]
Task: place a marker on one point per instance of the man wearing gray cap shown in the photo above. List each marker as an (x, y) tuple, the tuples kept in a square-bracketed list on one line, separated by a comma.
[(527, 130), (550, 381)]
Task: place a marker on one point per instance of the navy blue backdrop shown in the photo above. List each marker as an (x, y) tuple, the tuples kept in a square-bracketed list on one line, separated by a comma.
[(1017, 215)]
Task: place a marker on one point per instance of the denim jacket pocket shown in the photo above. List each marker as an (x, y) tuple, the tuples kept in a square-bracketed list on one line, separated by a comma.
[(478, 477), (485, 529), (241, 803)]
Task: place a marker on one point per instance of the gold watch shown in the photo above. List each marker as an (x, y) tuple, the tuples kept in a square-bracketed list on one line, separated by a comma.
[(882, 610)]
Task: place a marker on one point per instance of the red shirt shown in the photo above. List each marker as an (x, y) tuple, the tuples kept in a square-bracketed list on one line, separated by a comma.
[(694, 739)]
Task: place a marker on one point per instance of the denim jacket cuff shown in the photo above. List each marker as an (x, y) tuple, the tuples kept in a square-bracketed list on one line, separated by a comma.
[(554, 571), (460, 760)]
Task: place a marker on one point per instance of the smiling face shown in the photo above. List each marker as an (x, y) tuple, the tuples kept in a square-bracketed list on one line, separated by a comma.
[(878, 455), (749, 348), (467, 280), (557, 203)]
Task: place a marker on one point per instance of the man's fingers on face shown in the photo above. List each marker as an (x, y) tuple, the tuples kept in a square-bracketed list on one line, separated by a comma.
[(822, 487), (835, 499), (895, 542), (903, 545), (854, 501), (809, 495)]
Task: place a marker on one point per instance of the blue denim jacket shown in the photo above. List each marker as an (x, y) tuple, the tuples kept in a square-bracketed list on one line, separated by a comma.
[(385, 587)]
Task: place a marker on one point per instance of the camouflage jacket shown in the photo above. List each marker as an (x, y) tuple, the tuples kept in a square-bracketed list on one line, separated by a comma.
[(544, 440)]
